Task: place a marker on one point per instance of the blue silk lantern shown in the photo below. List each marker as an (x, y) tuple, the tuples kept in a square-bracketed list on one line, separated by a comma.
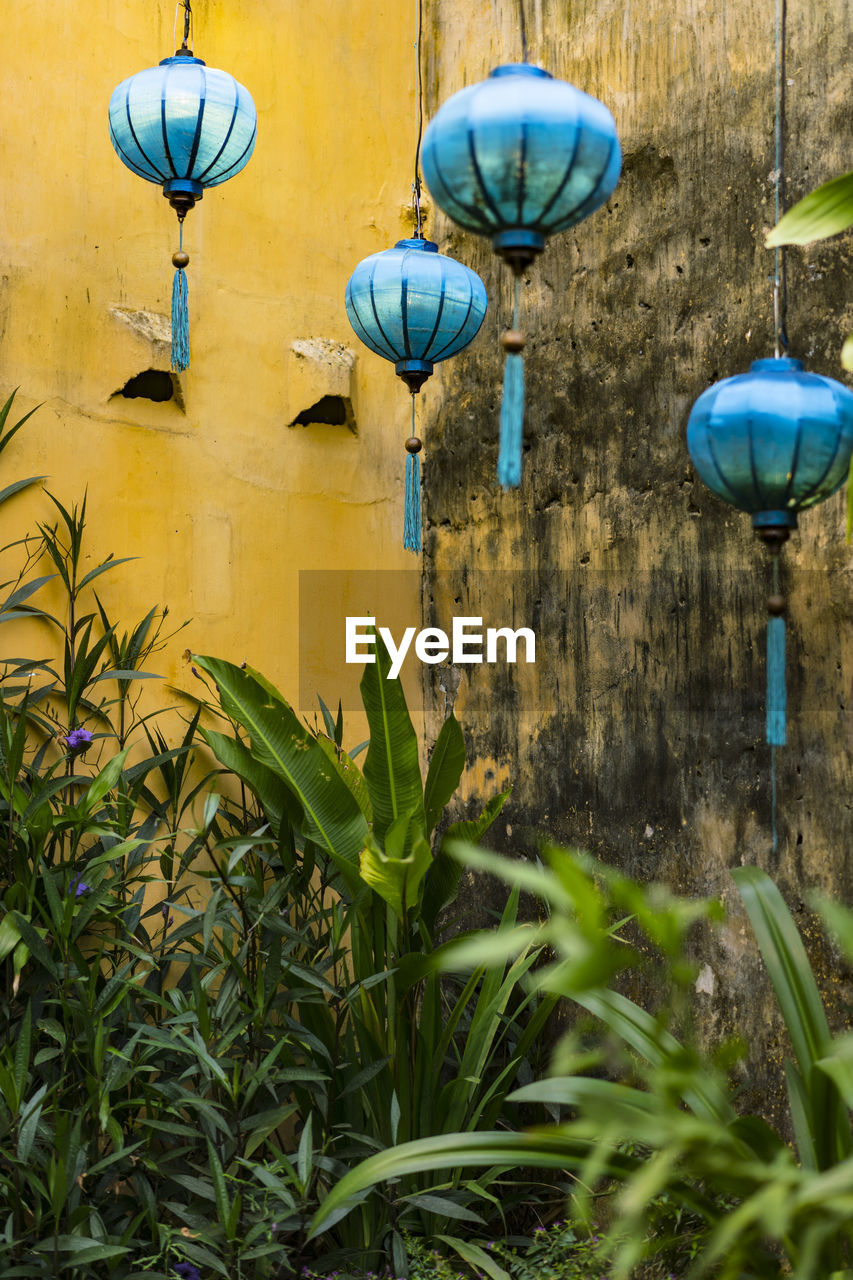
[(186, 127), (414, 307), (773, 442), (519, 157)]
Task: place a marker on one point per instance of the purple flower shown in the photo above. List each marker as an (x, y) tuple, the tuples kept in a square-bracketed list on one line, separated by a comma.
[(78, 740), (187, 1271), (78, 886)]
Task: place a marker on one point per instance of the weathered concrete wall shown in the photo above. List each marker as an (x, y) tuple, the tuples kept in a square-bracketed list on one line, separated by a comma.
[(639, 732)]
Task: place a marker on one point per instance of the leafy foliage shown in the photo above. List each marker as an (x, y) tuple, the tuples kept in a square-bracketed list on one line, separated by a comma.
[(210, 1005), (661, 1121), (402, 1053)]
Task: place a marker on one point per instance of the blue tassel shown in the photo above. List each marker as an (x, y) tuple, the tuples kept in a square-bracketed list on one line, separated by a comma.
[(412, 516), (180, 322), (776, 692), (512, 422)]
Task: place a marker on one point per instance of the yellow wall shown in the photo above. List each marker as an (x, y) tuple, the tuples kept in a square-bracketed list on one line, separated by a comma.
[(221, 500)]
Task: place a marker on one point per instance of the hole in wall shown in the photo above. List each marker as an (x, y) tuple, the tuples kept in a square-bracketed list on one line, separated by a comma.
[(331, 411), (153, 384)]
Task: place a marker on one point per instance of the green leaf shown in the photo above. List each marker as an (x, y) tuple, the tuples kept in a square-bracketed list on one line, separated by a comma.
[(104, 782), (475, 1257), (473, 831), (109, 563), (23, 1046), (351, 774), (554, 1147), (396, 878), (84, 1248), (798, 1100), (270, 789), (34, 941), (837, 918), (445, 770), (280, 742), (787, 965), (28, 589), (223, 1208), (802, 1009), (29, 1121), (824, 212), (442, 880), (391, 768), (847, 363), (305, 1154), (18, 486), (10, 935), (443, 1206), (643, 1033)]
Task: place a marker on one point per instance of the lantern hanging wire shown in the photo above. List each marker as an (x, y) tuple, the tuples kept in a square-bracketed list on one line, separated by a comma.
[(780, 274), (523, 29), (188, 25), (419, 121)]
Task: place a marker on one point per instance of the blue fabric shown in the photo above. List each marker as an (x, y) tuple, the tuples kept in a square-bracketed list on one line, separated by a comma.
[(412, 303), (776, 687), (773, 441), (521, 150), (183, 120), (512, 423)]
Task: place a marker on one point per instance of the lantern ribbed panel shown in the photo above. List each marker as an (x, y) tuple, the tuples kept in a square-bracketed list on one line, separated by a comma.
[(183, 120), (521, 151), (410, 303), (773, 441)]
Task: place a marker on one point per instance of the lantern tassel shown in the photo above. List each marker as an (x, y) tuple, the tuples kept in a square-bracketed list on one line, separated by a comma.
[(180, 322), (412, 517), (512, 420), (512, 404), (412, 509), (180, 308), (776, 690)]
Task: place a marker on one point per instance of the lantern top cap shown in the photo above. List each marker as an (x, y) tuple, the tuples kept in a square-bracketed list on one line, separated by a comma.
[(416, 242), (520, 69), (183, 56), (777, 364)]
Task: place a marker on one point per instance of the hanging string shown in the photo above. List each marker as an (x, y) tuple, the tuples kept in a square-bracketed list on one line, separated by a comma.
[(185, 5), (523, 26), (780, 274), (419, 117), (412, 507)]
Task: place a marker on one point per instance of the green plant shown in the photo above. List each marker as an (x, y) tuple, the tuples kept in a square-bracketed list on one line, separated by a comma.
[(398, 1052), (213, 1003), (663, 1120)]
